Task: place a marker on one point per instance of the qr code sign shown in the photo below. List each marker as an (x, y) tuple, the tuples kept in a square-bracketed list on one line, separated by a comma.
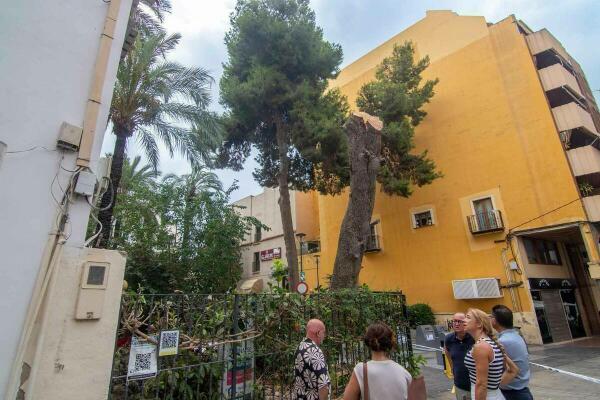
[(142, 362), (169, 342)]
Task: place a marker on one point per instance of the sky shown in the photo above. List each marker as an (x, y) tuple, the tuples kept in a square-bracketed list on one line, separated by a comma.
[(359, 26)]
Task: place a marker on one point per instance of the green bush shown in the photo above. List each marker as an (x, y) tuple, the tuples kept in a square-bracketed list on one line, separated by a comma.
[(420, 314)]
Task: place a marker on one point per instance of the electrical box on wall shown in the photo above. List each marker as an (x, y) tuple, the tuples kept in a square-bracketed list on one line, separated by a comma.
[(92, 290), (69, 137)]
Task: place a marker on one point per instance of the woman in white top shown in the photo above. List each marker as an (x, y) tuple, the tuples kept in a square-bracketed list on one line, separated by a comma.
[(387, 379)]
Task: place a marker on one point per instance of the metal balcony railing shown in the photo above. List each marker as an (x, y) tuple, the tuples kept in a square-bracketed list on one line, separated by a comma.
[(484, 222), (373, 244)]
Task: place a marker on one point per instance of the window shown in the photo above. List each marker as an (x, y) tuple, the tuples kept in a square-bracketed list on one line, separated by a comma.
[(256, 263), (258, 234), (422, 219), (373, 241), (485, 216), (542, 251)]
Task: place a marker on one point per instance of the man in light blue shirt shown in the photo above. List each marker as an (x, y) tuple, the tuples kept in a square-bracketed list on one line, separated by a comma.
[(516, 349)]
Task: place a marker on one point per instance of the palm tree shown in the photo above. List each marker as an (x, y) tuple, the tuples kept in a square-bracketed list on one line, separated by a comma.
[(134, 174), (199, 182), (158, 100), (150, 14)]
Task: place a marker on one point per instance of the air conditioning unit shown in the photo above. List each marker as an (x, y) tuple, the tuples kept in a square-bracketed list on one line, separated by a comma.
[(481, 288)]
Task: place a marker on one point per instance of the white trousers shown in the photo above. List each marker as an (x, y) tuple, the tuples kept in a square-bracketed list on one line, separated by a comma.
[(491, 394)]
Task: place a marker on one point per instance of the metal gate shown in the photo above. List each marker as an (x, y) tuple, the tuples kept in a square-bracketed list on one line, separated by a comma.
[(241, 346)]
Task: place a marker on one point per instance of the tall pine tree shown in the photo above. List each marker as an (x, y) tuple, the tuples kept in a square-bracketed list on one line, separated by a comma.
[(273, 88), (382, 154)]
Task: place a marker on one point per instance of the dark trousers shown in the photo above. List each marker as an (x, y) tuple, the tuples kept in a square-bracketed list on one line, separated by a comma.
[(521, 394)]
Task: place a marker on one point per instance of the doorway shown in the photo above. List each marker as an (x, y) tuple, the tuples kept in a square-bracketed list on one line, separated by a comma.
[(578, 258)]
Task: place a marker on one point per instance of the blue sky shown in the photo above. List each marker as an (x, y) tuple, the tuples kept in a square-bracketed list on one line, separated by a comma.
[(361, 25)]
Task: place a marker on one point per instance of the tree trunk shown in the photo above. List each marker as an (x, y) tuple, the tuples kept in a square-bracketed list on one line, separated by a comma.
[(364, 139), (107, 204), (285, 207)]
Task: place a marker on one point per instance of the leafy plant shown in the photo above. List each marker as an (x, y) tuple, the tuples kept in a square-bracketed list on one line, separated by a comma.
[(420, 314)]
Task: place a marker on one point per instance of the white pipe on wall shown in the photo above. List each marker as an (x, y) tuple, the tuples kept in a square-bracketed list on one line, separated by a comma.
[(92, 108)]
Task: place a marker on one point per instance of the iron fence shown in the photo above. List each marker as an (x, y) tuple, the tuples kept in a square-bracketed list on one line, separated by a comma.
[(242, 346)]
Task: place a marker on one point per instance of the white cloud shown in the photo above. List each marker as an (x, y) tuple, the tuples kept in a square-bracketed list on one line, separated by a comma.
[(360, 25)]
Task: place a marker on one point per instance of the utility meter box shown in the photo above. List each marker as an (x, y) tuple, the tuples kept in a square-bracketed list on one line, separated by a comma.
[(92, 290)]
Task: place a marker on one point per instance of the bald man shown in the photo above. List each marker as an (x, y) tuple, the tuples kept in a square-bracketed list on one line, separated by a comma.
[(456, 346), (311, 378)]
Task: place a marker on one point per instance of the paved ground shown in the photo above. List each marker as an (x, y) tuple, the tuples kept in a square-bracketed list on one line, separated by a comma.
[(579, 357)]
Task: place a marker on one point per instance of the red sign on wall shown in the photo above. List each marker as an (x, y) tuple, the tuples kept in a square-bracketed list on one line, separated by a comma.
[(270, 254)]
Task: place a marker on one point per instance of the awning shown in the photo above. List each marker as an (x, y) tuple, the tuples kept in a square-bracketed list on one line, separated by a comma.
[(254, 285)]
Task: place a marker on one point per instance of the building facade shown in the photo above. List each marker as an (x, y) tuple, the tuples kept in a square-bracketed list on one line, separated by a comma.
[(263, 246), (57, 76), (513, 127)]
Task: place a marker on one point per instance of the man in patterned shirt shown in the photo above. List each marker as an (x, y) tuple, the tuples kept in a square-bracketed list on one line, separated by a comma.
[(311, 378)]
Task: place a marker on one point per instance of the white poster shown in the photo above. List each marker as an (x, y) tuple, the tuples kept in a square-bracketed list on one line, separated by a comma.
[(142, 359), (169, 343), (240, 376)]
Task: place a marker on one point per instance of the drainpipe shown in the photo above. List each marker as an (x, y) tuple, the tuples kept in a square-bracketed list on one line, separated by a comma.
[(92, 108)]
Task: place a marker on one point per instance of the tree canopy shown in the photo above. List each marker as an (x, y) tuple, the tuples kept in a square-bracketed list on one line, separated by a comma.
[(273, 88), (396, 97)]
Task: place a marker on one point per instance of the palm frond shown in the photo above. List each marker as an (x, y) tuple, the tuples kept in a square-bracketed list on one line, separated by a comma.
[(146, 140)]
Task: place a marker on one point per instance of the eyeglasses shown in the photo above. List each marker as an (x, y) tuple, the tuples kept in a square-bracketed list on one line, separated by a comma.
[(458, 321)]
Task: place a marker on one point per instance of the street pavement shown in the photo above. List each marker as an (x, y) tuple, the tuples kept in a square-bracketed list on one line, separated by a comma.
[(578, 357)]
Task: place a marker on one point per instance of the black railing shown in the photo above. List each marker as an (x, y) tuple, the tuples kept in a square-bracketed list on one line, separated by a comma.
[(484, 222), (373, 244), (249, 338)]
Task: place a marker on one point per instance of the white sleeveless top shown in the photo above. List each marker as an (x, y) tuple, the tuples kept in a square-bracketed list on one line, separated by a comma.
[(388, 380)]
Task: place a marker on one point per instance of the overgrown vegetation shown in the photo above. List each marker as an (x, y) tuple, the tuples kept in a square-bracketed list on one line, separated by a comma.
[(272, 323), (180, 233)]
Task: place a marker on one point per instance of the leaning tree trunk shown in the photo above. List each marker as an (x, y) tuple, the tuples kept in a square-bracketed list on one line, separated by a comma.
[(107, 204), (364, 138), (285, 207)]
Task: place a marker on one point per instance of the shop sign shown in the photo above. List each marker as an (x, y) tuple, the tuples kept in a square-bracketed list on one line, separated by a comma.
[(550, 283), (271, 254)]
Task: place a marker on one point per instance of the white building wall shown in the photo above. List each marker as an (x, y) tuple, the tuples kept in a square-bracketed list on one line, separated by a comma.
[(265, 208), (49, 49)]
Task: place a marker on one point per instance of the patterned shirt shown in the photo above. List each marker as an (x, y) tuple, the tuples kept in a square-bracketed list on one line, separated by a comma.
[(310, 372)]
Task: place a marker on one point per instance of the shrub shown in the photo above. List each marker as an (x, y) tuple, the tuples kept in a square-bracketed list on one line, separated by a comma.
[(420, 314)]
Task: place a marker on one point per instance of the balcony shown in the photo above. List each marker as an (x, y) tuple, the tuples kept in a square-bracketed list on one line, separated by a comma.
[(485, 222), (592, 206), (310, 247), (571, 116), (542, 41), (556, 76), (584, 160), (373, 244)]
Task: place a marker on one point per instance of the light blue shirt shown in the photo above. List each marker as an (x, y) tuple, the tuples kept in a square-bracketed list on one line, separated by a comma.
[(516, 349)]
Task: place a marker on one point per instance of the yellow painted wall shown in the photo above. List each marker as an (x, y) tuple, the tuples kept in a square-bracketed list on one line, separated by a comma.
[(490, 131)]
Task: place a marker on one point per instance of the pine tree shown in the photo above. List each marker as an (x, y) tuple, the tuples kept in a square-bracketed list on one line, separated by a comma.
[(383, 153)]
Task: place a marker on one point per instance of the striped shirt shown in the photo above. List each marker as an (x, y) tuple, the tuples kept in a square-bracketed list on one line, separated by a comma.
[(496, 366)]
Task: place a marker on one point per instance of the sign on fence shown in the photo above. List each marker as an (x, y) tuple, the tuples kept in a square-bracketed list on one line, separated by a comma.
[(142, 359), (239, 370), (169, 343)]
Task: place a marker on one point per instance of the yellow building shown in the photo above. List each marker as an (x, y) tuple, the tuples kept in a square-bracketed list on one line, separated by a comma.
[(513, 128)]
